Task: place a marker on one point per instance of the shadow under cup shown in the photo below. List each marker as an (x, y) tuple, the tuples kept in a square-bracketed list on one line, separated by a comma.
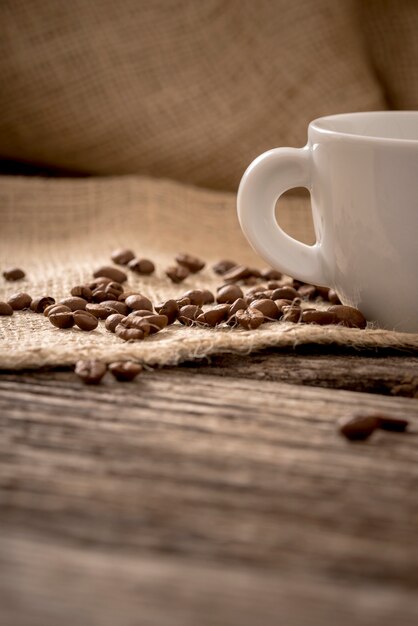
[(362, 173)]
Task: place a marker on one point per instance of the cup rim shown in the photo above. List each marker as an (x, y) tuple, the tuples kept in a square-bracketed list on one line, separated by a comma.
[(319, 125)]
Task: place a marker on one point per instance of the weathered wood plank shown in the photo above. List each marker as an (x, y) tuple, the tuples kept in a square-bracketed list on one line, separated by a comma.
[(374, 373), (232, 493)]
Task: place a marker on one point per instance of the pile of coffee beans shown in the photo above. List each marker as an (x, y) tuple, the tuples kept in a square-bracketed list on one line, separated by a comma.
[(246, 299), (360, 427)]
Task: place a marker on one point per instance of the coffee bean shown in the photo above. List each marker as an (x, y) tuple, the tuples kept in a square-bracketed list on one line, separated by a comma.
[(251, 280), (156, 322), (240, 272), (322, 292), (38, 305), (142, 266), (170, 309), (13, 273), (129, 334), (393, 424), (138, 301), (192, 263), (182, 302), (56, 308), (267, 307), (221, 267), (5, 309), (208, 296), (82, 291), (286, 293), (122, 256), (308, 291), (100, 295), (112, 321), (323, 318), (61, 319), (99, 282), (114, 290), (74, 303), (177, 273), (90, 372), (281, 303), (256, 290), (216, 315), (19, 301), (99, 311), (291, 313), (358, 427), (249, 319), (348, 316), (188, 314), (113, 273), (116, 306), (228, 294), (125, 371), (137, 323), (238, 305), (333, 297), (85, 320), (140, 313), (195, 296), (273, 284), (269, 273)]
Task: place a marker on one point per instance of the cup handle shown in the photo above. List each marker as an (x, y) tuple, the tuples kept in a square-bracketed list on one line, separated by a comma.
[(265, 180)]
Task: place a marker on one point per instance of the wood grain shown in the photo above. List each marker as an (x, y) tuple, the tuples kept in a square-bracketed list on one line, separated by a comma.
[(186, 498)]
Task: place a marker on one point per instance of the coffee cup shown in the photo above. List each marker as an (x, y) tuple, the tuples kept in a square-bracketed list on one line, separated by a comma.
[(361, 170)]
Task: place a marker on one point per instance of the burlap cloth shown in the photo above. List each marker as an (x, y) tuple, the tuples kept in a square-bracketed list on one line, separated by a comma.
[(58, 231)]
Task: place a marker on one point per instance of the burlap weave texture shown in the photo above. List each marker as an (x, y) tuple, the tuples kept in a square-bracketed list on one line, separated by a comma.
[(185, 89), (58, 231)]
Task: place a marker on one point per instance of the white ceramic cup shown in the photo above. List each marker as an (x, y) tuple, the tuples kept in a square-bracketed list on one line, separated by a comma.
[(361, 170)]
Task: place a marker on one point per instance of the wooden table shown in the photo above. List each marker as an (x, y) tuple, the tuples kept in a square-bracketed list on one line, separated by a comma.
[(210, 495)]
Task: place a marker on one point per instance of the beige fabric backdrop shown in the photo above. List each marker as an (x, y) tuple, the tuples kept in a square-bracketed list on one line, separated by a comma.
[(60, 230), (185, 89)]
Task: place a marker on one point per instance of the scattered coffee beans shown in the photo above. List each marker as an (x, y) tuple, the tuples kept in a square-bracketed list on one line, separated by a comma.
[(85, 320), (90, 372), (142, 266), (192, 263), (99, 282), (112, 321), (5, 309), (358, 427), (228, 294), (113, 290), (116, 306), (13, 273), (177, 273), (125, 371), (107, 271), (208, 296), (221, 267), (308, 291), (61, 319), (240, 272), (249, 319), (99, 311), (99, 295), (122, 256), (20, 301), (38, 305), (348, 316)]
